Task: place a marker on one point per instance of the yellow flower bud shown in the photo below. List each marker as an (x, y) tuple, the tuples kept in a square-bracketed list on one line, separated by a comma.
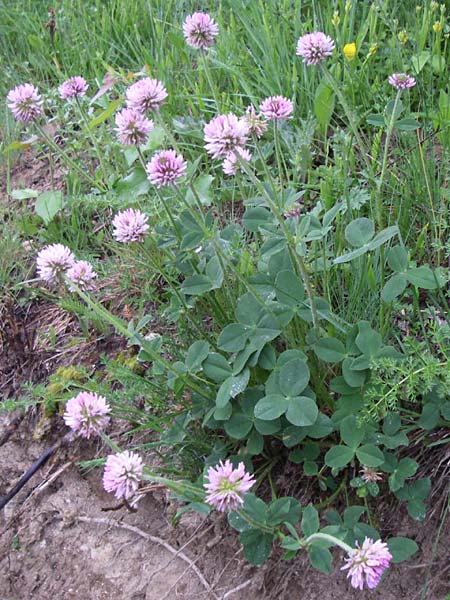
[(336, 19), (418, 9), (372, 50), (402, 36), (347, 6), (437, 27), (349, 50), (433, 5)]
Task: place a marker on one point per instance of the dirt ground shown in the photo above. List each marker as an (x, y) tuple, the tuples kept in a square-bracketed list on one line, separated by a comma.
[(57, 540)]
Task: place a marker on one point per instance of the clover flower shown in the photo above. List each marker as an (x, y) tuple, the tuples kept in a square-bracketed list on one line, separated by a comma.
[(146, 94), (314, 47), (122, 474), (369, 475), (165, 167), (226, 485), (276, 107), (367, 563), (52, 261), (87, 414), (130, 225), (24, 102), (132, 127), (256, 122), (73, 87), (225, 133), (231, 163), (199, 30), (401, 81), (82, 274)]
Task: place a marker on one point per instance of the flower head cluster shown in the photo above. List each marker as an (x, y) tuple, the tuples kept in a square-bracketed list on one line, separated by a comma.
[(231, 163), (73, 87), (314, 47), (276, 107), (367, 563), (132, 127), (122, 474), (52, 261), (199, 30), (256, 122), (130, 225), (225, 133), (146, 94), (401, 81), (165, 167), (369, 475), (226, 486), (87, 414), (25, 102), (82, 274)]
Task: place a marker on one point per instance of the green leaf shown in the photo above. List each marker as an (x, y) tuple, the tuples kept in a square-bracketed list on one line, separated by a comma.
[(24, 194), (418, 62), (389, 109), (383, 236), (255, 443), (302, 411), (271, 407), (368, 340), (237, 522), (407, 124), (294, 377), (429, 417), (352, 515), (377, 120), (197, 353), (353, 377), (401, 548), (391, 423), (320, 558), (254, 218), (238, 426), (397, 258), (394, 287), (48, 205), (289, 288), (257, 545), (330, 350), (310, 520), (231, 387), (370, 456), (360, 232), (216, 367), (214, 272), (233, 338), (202, 186), (338, 456), (422, 277), (323, 103), (196, 285), (105, 114), (351, 433)]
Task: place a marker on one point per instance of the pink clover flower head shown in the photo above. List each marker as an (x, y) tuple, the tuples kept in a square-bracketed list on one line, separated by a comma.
[(146, 94), (314, 47), (226, 486), (73, 87), (25, 102), (256, 122), (87, 414), (52, 261), (132, 127), (401, 81), (82, 274), (122, 474), (199, 30), (130, 225), (225, 133), (367, 563), (231, 163), (165, 168), (276, 107)]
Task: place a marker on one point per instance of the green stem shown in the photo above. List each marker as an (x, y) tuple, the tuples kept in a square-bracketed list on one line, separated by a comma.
[(278, 155), (69, 161), (329, 538), (208, 77), (92, 138), (348, 114)]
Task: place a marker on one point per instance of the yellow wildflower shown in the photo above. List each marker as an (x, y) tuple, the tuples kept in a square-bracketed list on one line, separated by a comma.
[(437, 27), (402, 36), (349, 50), (372, 50)]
